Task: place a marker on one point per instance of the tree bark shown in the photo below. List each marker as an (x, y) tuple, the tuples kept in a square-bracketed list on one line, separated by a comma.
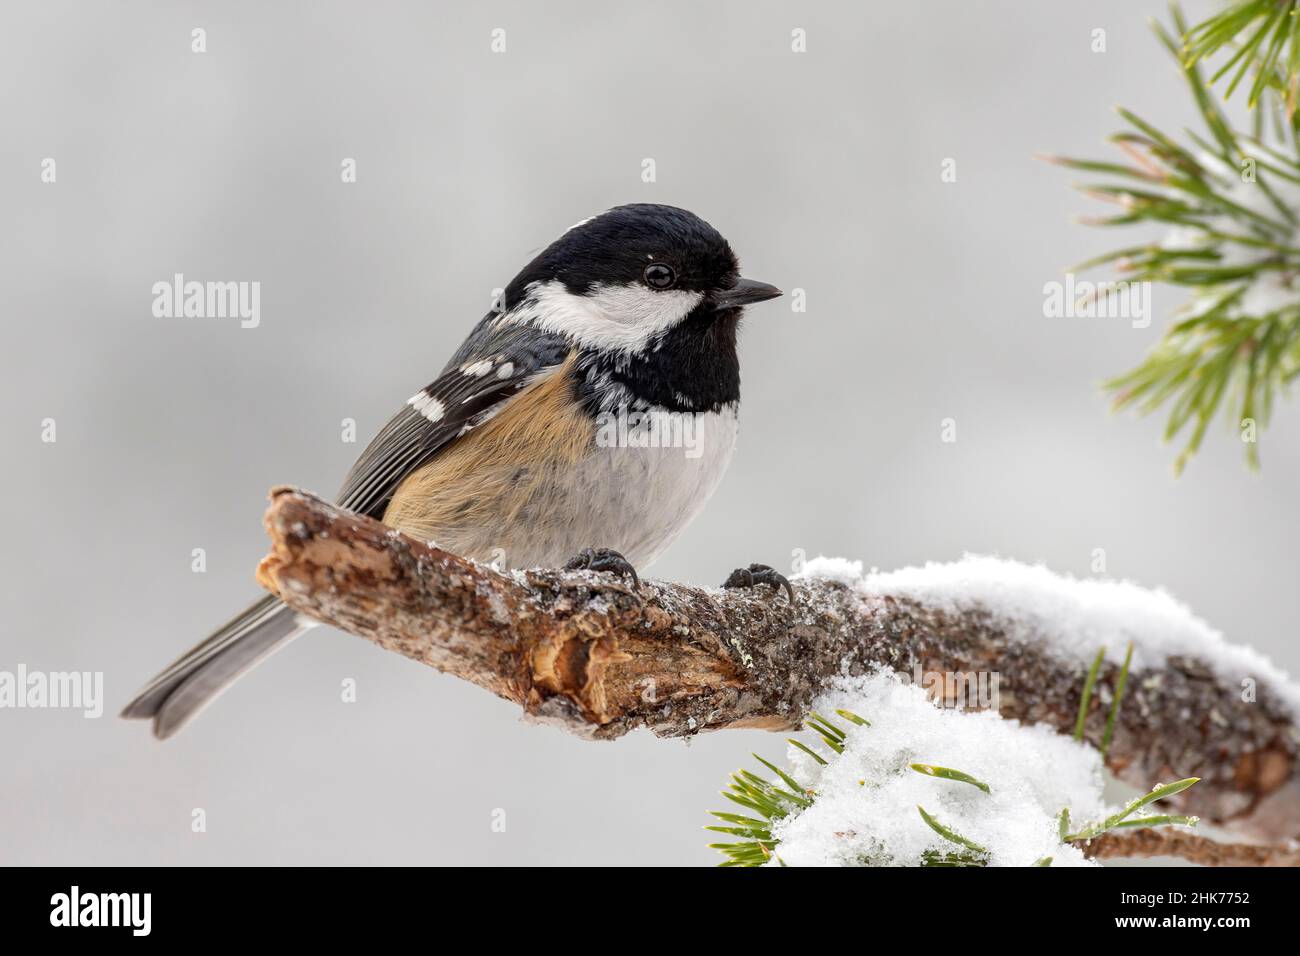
[(1165, 841), (585, 652)]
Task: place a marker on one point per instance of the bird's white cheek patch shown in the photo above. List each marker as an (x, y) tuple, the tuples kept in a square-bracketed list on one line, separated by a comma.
[(639, 305), (619, 317), (427, 405)]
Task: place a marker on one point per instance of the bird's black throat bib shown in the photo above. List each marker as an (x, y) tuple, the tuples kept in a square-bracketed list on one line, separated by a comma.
[(693, 367)]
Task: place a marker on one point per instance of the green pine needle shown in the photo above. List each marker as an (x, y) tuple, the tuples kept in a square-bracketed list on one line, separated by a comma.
[(1087, 694), (946, 773), (808, 750), (951, 835), (1116, 819), (1113, 717), (853, 718), (1158, 821)]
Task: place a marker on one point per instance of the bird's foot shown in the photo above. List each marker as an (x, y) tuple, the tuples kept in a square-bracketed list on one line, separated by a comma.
[(757, 574), (603, 559)]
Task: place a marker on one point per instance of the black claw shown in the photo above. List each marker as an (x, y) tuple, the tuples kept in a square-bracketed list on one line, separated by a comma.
[(603, 559), (757, 574)]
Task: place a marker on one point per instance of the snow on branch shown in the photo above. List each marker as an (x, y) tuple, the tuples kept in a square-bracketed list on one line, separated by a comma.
[(587, 653)]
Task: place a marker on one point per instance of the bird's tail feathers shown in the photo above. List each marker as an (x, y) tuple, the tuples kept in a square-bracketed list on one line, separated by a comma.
[(179, 693)]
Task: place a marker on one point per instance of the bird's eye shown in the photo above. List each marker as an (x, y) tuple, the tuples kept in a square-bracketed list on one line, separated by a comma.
[(659, 276)]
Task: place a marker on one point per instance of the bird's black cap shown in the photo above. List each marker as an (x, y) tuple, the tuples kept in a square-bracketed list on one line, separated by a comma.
[(615, 247)]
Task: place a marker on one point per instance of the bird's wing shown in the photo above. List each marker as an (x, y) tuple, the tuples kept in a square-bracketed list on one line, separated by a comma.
[(493, 365)]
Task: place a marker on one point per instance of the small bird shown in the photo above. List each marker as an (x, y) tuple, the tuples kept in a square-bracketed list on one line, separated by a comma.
[(585, 420)]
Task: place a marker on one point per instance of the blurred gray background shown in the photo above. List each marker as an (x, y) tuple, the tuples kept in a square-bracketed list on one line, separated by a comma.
[(925, 301)]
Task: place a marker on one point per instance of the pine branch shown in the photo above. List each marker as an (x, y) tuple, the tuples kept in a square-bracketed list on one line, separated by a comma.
[(1264, 39), (584, 652), (1228, 202), (760, 844)]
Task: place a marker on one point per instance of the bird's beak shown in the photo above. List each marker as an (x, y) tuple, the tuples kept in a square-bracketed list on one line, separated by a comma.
[(745, 292)]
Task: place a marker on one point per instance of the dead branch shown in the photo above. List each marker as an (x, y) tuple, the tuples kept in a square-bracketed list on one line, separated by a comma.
[(1164, 841), (583, 652)]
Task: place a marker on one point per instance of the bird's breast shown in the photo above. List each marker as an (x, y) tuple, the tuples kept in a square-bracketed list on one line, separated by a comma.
[(649, 474), (545, 478)]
